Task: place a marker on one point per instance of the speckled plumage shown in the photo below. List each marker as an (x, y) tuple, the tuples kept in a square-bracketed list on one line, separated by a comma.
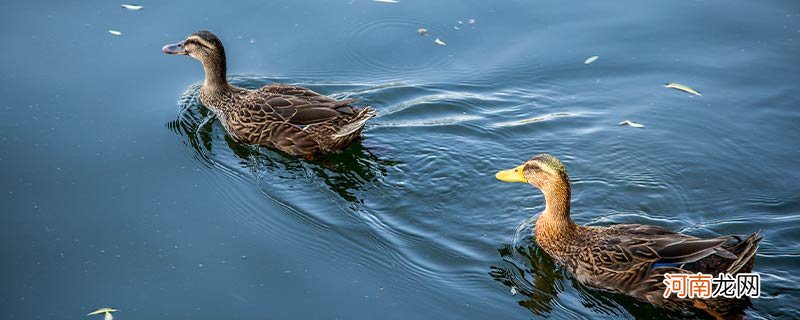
[(292, 119), (631, 258)]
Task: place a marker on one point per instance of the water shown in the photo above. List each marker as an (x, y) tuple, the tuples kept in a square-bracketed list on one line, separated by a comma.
[(119, 189)]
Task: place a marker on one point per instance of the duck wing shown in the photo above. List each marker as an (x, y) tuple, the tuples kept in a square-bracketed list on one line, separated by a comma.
[(632, 259), (300, 106), (662, 247)]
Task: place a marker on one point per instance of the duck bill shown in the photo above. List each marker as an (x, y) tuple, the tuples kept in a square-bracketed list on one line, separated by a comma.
[(511, 175), (175, 48)]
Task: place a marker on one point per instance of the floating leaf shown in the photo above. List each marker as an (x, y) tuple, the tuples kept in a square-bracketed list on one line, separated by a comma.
[(513, 290), (471, 21), (106, 311), (133, 7), (422, 31), (591, 59), (386, 1), (115, 32), (456, 27), (439, 42), (681, 87), (631, 123)]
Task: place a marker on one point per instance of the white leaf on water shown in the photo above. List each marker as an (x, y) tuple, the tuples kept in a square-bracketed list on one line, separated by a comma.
[(115, 32), (471, 21), (513, 291), (133, 7), (631, 123), (106, 311), (102, 310), (456, 27), (386, 1), (591, 59), (422, 31), (439, 42), (681, 87)]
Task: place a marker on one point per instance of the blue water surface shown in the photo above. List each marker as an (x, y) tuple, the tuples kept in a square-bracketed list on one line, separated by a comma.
[(117, 188)]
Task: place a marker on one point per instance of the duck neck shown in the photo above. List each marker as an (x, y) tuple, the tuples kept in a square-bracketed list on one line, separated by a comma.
[(216, 73), (555, 220)]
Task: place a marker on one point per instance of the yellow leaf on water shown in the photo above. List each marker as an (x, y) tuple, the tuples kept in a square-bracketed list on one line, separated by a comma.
[(102, 310), (681, 87)]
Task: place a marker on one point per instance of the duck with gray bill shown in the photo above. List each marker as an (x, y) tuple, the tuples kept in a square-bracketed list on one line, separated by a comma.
[(292, 119)]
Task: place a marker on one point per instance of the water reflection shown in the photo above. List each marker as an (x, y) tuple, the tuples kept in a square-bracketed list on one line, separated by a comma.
[(532, 274)]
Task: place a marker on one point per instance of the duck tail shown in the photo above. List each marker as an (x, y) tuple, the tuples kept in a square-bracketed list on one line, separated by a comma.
[(745, 252), (357, 124)]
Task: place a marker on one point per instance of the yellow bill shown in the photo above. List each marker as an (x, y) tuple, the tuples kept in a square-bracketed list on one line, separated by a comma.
[(511, 175)]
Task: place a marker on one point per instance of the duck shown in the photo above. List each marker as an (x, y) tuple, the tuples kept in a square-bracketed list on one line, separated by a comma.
[(292, 119), (631, 259)]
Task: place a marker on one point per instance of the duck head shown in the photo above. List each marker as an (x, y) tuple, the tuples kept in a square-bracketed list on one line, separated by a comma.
[(542, 171), (205, 47)]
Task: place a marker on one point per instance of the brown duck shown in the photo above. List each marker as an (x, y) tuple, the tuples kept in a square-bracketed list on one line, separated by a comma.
[(292, 119), (629, 258)]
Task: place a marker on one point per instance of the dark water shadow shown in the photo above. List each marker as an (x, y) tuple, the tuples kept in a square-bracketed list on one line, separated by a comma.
[(533, 275)]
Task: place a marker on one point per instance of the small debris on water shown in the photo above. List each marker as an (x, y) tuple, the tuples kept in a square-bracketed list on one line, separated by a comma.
[(386, 1), (631, 123), (456, 27), (252, 41), (471, 21), (591, 59), (106, 311), (513, 291), (132, 7), (681, 87), (439, 42), (115, 32), (422, 31)]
